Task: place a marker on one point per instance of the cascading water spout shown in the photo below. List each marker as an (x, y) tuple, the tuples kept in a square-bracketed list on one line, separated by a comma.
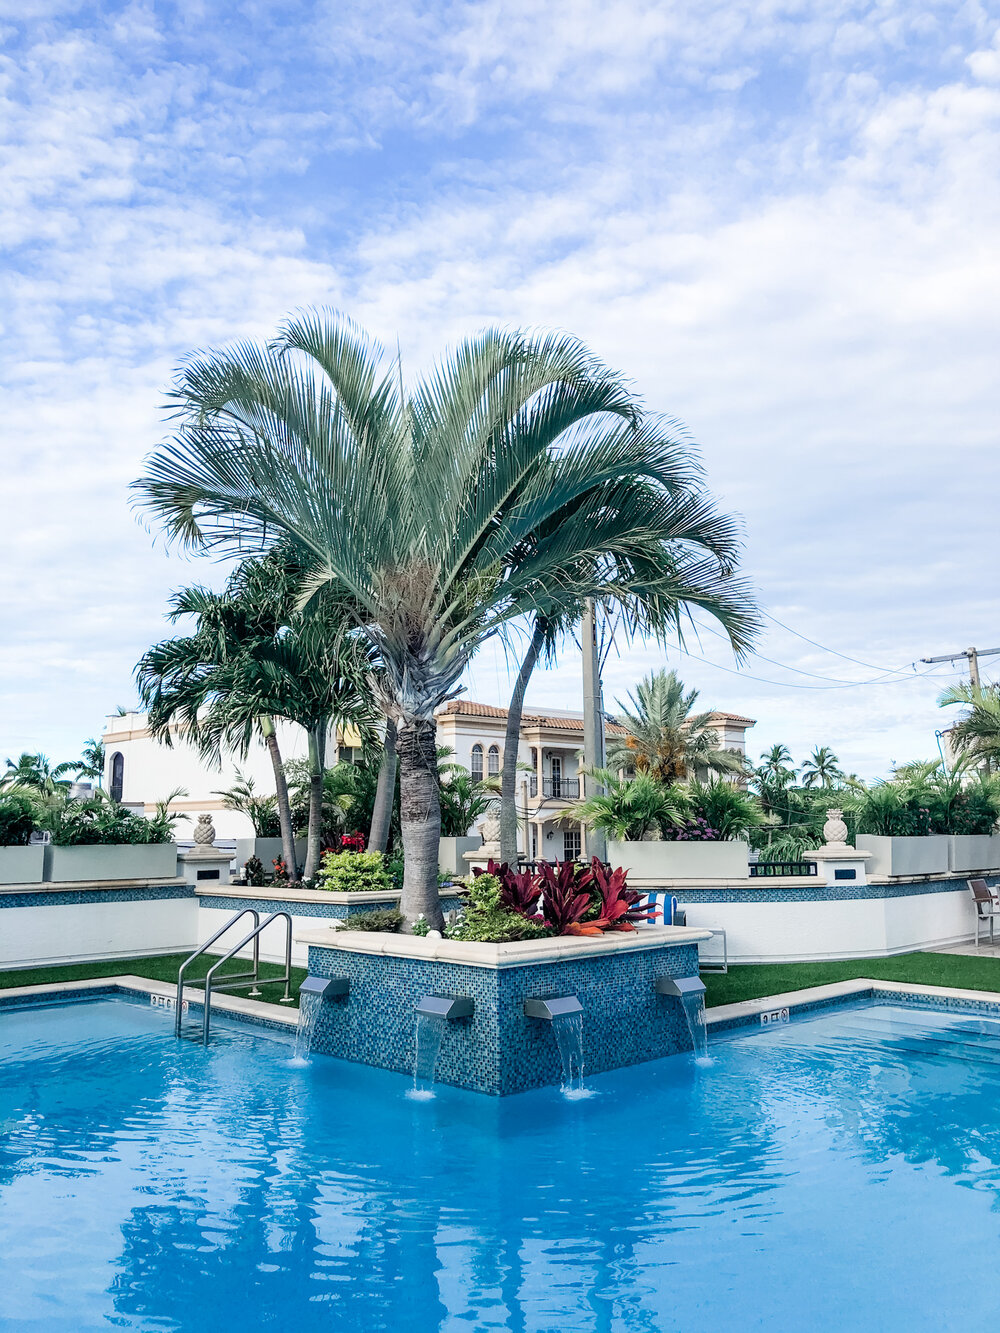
[(691, 993), (694, 1012), (434, 1012), (430, 1030), (568, 1032), (312, 993), (308, 1013)]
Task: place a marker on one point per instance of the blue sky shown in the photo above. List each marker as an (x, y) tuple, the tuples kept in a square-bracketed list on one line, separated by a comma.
[(780, 219)]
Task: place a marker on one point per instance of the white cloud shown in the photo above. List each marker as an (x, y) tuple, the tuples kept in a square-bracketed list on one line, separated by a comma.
[(779, 219)]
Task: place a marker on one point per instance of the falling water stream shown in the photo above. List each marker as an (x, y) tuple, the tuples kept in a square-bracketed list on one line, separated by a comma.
[(568, 1031), (694, 1012), (430, 1030), (308, 1013)]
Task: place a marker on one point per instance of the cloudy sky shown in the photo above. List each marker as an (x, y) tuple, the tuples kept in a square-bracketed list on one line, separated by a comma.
[(779, 218)]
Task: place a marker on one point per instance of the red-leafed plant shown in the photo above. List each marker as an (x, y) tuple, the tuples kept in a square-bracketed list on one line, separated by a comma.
[(353, 842), (621, 907), (519, 889), (564, 902)]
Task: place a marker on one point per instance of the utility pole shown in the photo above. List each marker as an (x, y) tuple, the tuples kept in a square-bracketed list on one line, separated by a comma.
[(972, 656), (593, 718)]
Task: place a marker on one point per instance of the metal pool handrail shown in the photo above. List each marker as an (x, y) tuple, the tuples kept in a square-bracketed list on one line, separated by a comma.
[(255, 936), (240, 976)]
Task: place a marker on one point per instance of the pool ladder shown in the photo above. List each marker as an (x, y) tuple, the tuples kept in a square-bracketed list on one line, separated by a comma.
[(236, 980)]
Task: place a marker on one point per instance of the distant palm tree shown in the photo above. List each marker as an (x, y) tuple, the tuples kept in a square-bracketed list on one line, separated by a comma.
[(976, 735), (36, 772), (518, 466), (664, 737), (632, 808), (821, 769), (91, 761)]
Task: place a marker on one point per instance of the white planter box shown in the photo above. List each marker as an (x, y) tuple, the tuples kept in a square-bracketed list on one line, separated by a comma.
[(967, 852), (149, 861), (904, 856), (666, 861), (268, 850), (451, 852), (21, 865)]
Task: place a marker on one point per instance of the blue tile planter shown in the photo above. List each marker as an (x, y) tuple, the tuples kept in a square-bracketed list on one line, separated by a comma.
[(498, 1050)]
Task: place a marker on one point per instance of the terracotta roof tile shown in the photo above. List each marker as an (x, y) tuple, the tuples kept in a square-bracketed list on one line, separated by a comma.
[(469, 708)]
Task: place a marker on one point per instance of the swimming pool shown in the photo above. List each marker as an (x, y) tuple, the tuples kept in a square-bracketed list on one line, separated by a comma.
[(840, 1172)]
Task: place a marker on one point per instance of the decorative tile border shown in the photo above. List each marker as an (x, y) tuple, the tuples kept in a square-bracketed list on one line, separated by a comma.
[(75, 897), (334, 911), (822, 893)]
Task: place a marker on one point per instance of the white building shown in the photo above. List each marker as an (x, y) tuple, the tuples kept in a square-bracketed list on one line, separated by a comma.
[(139, 771)]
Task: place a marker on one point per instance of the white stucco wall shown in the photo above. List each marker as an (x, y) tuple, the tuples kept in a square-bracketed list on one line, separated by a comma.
[(790, 932), (32, 936)]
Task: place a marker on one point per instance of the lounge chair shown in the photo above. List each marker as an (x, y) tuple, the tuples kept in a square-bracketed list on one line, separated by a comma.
[(987, 907)]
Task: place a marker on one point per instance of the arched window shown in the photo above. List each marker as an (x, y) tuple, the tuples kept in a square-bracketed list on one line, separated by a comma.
[(117, 775), (493, 761), (477, 762)]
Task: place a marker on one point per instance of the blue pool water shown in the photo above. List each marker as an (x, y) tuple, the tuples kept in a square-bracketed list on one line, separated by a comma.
[(840, 1173)]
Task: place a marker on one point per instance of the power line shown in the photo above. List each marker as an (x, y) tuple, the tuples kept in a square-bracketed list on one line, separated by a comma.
[(871, 666), (972, 655), (801, 670), (794, 685)]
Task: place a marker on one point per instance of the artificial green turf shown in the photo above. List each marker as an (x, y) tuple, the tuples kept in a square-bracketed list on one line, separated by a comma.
[(752, 981), (162, 968)]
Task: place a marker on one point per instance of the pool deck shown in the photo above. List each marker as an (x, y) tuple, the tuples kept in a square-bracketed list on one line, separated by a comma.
[(742, 1014), (234, 1006)]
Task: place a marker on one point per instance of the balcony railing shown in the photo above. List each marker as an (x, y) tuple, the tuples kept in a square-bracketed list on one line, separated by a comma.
[(563, 789)]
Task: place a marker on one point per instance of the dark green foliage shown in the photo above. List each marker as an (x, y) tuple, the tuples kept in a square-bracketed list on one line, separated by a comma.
[(100, 822), (17, 819), (254, 872), (385, 919)]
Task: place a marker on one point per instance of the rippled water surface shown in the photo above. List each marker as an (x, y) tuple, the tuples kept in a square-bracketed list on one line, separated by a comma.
[(839, 1173)]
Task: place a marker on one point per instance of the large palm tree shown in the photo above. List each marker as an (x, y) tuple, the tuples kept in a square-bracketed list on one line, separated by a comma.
[(431, 509), (776, 769), (665, 737), (976, 735), (821, 769)]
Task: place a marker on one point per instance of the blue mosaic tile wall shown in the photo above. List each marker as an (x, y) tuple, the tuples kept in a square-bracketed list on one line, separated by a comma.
[(821, 893), (74, 897), (499, 1051), (328, 911)]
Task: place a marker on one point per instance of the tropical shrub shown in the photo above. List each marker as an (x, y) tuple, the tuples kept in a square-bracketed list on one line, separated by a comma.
[(254, 873), (100, 822), (725, 810), (385, 919), (17, 819), (354, 872), (633, 809), (486, 919), (262, 811)]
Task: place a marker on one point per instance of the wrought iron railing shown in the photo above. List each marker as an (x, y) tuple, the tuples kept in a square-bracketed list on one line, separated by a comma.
[(778, 869), (565, 789)]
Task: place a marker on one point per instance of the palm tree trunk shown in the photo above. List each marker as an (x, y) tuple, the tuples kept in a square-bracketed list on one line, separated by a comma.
[(281, 797), (378, 838), (420, 811), (317, 751), (508, 779)]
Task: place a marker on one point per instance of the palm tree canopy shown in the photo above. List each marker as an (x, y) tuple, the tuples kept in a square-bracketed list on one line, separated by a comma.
[(821, 769), (665, 737), (976, 735), (519, 466), (35, 771)]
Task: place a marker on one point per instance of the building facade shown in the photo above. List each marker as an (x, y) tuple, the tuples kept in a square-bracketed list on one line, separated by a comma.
[(140, 771)]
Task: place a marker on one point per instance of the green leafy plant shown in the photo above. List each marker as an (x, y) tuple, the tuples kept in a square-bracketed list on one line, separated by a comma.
[(732, 813), (354, 872), (487, 920), (385, 919), (254, 872), (261, 810), (631, 809), (18, 815), (101, 822)]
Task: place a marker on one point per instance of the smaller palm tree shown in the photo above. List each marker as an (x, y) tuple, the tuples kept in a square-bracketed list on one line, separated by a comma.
[(91, 761), (822, 769), (976, 735), (665, 737), (36, 772), (632, 809)]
